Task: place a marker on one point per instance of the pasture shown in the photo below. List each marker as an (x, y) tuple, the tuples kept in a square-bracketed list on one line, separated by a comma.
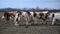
[(39, 28)]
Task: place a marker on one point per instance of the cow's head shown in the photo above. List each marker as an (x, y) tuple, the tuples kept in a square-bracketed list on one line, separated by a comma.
[(28, 13), (19, 13), (34, 14)]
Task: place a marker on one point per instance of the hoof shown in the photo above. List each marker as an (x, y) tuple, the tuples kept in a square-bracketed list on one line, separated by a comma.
[(53, 24), (32, 24), (16, 24), (5, 23), (42, 23), (26, 27), (46, 23)]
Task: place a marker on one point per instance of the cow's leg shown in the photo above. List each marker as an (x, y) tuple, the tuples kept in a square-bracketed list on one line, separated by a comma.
[(26, 24), (19, 18), (33, 21), (53, 21), (2, 17), (27, 19), (44, 20), (41, 20), (16, 22), (11, 18), (5, 20)]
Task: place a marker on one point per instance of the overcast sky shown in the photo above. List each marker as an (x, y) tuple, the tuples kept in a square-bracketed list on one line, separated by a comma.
[(53, 4)]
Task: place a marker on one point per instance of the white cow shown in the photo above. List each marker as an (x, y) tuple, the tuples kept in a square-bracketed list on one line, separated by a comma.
[(57, 16)]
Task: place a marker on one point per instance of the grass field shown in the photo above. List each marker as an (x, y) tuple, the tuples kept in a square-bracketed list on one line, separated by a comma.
[(9, 28)]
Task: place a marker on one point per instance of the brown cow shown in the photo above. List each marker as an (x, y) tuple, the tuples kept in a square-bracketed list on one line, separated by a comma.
[(7, 15)]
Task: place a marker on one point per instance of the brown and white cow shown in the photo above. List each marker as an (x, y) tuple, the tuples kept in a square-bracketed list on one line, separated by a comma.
[(11, 16), (40, 15), (7, 15), (19, 15), (44, 16), (28, 17)]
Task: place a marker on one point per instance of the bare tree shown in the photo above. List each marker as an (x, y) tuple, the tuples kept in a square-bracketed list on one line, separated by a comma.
[(37, 8)]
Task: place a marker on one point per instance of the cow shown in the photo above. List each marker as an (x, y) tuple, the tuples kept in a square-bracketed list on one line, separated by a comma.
[(28, 17), (7, 15), (19, 15), (11, 16), (55, 17), (35, 17), (41, 15)]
